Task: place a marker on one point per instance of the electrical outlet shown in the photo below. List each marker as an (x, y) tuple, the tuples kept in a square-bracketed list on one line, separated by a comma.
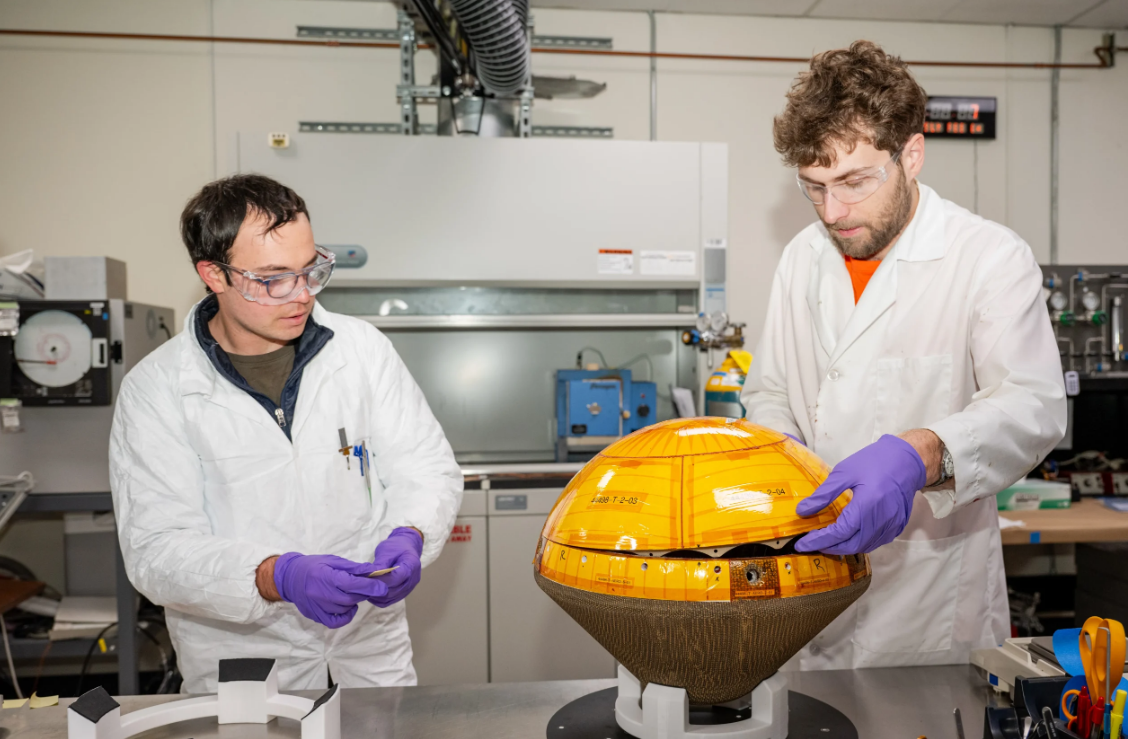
[(1087, 483), (278, 140), (1120, 483)]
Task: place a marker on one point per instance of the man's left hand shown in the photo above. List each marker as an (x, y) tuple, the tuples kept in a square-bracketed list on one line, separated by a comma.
[(400, 550), (885, 477)]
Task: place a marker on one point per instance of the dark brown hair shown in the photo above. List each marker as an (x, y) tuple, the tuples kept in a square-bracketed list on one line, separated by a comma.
[(212, 218), (849, 96)]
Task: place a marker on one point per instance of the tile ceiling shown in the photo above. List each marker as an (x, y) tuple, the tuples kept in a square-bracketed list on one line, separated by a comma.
[(1110, 14)]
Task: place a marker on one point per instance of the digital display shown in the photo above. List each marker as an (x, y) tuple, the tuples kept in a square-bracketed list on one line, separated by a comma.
[(960, 117)]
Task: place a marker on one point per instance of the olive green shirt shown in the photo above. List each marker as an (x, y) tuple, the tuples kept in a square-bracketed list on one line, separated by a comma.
[(266, 373)]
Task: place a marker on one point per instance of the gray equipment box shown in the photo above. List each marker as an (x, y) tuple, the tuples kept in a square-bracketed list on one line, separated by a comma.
[(84, 278), (66, 448)]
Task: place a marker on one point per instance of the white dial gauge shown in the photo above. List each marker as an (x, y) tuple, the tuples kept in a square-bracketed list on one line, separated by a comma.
[(1058, 301), (702, 322), (1090, 300), (718, 321), (53, 348)]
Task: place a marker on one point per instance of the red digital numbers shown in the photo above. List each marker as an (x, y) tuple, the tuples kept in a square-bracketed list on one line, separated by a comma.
[(956, 127), (976, 129), (933, 127)]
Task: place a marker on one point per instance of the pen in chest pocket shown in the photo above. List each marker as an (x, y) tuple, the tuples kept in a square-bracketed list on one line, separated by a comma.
[(346, 447)]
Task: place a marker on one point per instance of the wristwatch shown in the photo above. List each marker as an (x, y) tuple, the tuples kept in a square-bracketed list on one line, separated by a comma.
[(947, 466)]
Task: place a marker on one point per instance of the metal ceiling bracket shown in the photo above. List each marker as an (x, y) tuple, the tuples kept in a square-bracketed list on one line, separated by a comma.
[(1107, 50), (572, 42), (349, 34), (426, 129), (409, 119), (574, 132)]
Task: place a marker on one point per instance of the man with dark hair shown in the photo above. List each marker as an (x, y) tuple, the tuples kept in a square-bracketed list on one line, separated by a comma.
[(908, 344), (278, 478)]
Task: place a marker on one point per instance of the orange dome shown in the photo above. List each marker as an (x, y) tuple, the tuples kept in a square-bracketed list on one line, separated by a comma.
[(692, 483)]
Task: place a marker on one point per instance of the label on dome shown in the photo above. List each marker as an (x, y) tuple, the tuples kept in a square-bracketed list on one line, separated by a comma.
[(749, 495), (619, 501), (756, 578)]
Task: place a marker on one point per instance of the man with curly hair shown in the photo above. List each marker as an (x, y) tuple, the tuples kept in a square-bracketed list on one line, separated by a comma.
[(908, 344)]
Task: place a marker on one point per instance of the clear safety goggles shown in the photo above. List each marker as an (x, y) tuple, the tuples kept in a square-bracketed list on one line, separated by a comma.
[(283, 288), (854, 190)]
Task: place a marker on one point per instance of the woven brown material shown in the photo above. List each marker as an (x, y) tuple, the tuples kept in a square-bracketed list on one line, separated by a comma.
[(717, 651)]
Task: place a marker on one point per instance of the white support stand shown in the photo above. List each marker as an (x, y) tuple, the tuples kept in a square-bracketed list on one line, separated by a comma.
[(664, 713), (248, 694)]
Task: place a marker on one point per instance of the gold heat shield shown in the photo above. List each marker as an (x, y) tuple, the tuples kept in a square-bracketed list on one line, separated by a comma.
[(691, 484), (714, 626)]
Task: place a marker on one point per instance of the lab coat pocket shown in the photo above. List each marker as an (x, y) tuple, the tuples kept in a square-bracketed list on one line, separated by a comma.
[(911, 606), (912, 392)]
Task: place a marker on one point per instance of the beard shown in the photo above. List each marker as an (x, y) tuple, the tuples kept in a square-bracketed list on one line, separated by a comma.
[(886, 227)]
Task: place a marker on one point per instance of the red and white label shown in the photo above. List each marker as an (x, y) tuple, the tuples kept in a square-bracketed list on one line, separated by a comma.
[(615, 262), (461, 532)]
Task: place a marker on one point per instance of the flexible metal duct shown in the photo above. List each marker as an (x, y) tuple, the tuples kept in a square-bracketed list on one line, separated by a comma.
[(496, 32)]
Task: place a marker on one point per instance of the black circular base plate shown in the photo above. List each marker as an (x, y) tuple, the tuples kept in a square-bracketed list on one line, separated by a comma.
[(593, 717)]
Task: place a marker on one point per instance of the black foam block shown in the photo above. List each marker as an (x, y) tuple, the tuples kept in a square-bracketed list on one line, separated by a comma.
[(244, 670), (94, 704)]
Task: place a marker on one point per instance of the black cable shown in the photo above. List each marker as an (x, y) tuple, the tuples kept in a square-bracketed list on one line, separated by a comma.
[(580, 357), (89, 655), (161, 325)]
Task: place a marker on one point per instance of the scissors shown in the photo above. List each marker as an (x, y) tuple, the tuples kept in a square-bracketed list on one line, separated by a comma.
[(1102, 654)]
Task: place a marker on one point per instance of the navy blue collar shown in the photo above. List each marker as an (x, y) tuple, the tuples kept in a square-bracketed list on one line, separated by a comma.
[(314, 337)]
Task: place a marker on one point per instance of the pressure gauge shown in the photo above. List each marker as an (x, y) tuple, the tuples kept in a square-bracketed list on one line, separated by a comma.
[(53, 348), (1058, 301), (1090, 300), (702, 322), (718, 321)]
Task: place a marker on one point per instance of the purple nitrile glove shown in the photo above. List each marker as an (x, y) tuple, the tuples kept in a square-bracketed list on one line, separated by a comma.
[(325, 588), (401, 550), (796, 439), (885, 477)]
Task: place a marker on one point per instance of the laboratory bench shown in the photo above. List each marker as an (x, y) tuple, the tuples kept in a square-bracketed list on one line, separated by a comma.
[(1085, 521), (882, 703)]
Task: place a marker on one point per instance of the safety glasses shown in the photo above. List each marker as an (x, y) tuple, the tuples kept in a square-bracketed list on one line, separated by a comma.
[(283, 288), (854, 190)]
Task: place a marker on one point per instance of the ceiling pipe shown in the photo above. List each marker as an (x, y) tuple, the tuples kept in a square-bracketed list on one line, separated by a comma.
[(536, 50)]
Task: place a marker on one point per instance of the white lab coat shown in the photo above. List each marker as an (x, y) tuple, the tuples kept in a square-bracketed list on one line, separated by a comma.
[(206, 486), (951, 334)]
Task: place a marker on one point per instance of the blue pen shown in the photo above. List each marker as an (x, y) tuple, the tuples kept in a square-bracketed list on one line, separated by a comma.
[(358, 452)]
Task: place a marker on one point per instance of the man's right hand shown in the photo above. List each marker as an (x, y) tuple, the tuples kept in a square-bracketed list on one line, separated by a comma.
[(325, 588)]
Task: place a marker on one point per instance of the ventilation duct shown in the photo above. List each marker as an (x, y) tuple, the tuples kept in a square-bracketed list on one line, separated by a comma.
[(497, 32)]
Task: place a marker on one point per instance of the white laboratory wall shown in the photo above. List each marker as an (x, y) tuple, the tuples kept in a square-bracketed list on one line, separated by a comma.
[(103, 141)]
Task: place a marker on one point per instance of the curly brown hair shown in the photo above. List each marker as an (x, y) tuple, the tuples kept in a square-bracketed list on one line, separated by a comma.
[(849, 96)]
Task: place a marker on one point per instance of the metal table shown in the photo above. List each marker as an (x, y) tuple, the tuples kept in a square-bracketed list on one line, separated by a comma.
[(890, 703)]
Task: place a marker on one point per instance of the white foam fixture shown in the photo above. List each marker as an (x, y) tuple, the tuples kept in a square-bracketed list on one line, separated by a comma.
[(248, 694), (664, 713)]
